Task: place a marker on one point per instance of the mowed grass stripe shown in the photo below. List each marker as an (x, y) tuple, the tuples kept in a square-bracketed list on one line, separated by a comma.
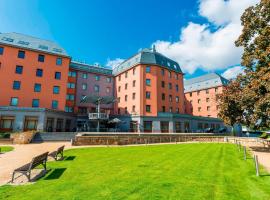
[(182, 171)]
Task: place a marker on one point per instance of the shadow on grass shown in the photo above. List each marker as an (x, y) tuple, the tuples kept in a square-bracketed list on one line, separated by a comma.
[(69, 158), (55, 174)]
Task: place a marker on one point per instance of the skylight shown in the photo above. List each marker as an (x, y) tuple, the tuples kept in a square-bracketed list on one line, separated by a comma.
[(57, 50), (7, 39), (23, 42), (43, 47)]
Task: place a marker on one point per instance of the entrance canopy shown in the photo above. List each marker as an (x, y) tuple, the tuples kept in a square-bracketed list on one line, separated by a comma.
[(97, 99)]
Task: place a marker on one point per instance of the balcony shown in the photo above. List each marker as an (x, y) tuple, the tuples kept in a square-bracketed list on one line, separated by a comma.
[(98, 116)]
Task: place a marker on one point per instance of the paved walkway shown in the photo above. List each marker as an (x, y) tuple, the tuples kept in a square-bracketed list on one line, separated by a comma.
[(22, 154)]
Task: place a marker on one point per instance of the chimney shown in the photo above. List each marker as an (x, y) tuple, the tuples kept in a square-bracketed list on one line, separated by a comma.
[(154, 48)]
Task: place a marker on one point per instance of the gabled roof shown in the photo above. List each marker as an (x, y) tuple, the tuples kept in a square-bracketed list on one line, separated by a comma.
[(148, 57), (32, 43), (90, 68), (203, 82)]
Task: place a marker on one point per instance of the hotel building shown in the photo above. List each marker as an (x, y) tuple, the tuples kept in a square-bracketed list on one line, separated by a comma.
[(42, 89)]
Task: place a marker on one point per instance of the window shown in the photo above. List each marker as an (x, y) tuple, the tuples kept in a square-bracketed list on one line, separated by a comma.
[(163, 96), (118, 99), (118, 111), (190, 94), (19, 69), (126, 74), (96, 88), (39, 72), (208, 108), (16, 85), (176, 76), (57, 75), (108, 90), (133, 108), (199, 101), (119, 78), (41, 58), (148, 69), (163, 109), (170, 74), (58, 61), (70, 97), (56, 89), (119, 88), (177, 99), (85, 75), (148, 108), (71, 85), (21, 54), (83, 96), (72, 74), (163, 84), (68, 109), (198, 92), (217, 107), (126, 86), (148, 82), (170, 110), (54, 104), (170, 98), (134, 83), (162, 72), (126, 112), (216, 90), (35, 103), (133, 95), (177, 110), (207, 99), (1, 50), (207, 91), (126, 97), (14, 101), (37, 87), (84, 86), (170, 86), (97, 77), (109, 79), (134, 71), (148, 95), (176, 88)]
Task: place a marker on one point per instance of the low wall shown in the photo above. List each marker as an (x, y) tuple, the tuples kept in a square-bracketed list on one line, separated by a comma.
[(128, 139), (6, 141)]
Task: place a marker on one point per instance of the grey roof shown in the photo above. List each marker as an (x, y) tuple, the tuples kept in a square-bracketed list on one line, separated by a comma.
[(90, 68), (203, 82), (149, 57), (32, 43)]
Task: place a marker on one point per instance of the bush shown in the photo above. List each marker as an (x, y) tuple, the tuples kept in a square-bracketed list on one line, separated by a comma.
[(4, 135), (264, 136)]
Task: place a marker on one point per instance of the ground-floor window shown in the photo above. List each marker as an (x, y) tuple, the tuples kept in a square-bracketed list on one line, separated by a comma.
[(59, 125), (164, 126), (49, 124), (178, 127), (6, 123), (187, 127), (206, 126), (30, 123), (133, 126), (147, 125), (68, 125)]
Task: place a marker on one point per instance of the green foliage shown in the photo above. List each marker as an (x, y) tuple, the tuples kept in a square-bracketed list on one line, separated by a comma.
[(264, 136), (4, 135), (183, 171), (6, 149)]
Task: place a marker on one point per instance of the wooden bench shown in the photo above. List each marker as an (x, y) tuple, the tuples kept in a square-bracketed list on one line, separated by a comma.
[(59, 151), (36, 161), (266, 143)]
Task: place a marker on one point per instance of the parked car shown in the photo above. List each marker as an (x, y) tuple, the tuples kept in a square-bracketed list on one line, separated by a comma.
[(209, 130)]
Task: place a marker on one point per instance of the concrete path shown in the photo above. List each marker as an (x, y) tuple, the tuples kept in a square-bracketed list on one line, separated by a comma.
[(22, 154)]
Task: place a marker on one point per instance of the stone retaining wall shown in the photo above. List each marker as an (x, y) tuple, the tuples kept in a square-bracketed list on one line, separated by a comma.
[(142, 139)]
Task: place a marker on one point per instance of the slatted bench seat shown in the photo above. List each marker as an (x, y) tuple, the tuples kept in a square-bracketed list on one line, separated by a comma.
[(58, 154), (26, 169)]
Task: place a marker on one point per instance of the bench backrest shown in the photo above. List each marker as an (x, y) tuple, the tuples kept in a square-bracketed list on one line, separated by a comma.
[(40, 159), (60, 149)]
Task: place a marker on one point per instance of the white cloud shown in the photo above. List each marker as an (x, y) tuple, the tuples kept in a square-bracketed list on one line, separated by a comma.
[(233, 72), (199, 47), (114, 63)]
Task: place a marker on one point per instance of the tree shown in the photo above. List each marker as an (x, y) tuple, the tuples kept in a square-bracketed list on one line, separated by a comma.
[(247, 99)]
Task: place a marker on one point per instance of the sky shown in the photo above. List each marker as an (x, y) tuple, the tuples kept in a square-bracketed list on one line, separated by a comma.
[(198, 34)]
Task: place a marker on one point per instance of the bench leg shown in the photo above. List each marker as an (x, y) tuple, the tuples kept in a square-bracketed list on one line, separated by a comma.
[(28, 175), (13, 174)]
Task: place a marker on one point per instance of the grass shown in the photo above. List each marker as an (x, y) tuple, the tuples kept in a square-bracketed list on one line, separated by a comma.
[(184, 171), (5, 149)]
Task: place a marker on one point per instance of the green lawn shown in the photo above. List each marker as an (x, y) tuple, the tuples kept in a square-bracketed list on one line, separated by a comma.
[(5, 149), (183, 171)]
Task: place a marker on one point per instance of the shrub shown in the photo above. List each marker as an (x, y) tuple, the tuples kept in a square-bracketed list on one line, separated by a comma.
[(264, 136)]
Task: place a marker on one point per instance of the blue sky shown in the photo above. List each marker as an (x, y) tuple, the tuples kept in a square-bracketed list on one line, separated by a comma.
[(105, 30)]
